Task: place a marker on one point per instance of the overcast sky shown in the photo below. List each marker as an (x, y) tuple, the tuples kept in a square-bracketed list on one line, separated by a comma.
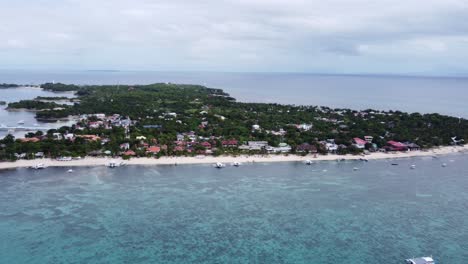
[(428, 37)]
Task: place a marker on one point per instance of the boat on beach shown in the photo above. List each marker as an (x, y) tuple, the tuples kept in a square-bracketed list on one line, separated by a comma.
[(423, 260)]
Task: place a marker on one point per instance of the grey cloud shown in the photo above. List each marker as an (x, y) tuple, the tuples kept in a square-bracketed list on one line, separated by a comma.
[(280, 35)]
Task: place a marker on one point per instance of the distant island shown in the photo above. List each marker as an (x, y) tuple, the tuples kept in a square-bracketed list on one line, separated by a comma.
[(8, 85), (190, 120)]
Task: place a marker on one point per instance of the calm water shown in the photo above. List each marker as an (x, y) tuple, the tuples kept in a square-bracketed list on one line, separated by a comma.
[(11, 118), (412, 94), (262, 213)]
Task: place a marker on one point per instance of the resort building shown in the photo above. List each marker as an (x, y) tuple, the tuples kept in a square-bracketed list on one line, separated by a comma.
[(359, 143), (230, 143), (396, 146), (306, 147)]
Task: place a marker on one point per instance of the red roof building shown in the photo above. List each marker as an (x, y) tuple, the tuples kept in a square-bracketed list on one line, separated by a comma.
[(179, 148), (206, 145), (396, 146), (129, 153), (230, 143), (153, 150), (359, 141)]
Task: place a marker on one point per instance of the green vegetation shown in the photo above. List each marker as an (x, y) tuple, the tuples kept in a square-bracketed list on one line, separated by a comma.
[(51, 98), (8, 85), (159, 112), (34, 105)]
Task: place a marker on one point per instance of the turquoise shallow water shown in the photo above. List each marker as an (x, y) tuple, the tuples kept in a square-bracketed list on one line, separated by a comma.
[(260, 213)]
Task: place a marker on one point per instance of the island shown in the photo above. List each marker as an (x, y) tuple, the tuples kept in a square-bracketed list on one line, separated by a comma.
[(164, 119)]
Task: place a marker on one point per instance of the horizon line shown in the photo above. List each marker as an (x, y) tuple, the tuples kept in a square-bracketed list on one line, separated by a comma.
[(357, 74)]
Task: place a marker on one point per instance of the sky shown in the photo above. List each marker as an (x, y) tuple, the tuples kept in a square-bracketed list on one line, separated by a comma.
[(422, 37)]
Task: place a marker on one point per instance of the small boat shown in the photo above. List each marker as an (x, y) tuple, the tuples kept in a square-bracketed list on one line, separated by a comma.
[(308, 162), (413, 167), (39, 166), (236, 164), (423, 260), (364, 159), (70, 171), (394, 164), (21, 122), (219, 165), (355, 168), (444, 165), (112, 164)]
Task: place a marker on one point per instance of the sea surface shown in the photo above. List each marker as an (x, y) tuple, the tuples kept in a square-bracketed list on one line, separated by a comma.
[(257, 213), (11, 118)]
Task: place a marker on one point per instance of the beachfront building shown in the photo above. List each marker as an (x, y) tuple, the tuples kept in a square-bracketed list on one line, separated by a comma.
[(129, 153), (330, 145), (230, 143), (359, 143), (153, 150), (254, 145), (125, 146), (282, 148), (412, 146), (396, 146), (306, 147), (206, 145)]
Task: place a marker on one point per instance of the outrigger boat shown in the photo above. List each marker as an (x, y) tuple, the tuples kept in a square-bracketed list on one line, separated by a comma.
[(424, 260), (219, 165)]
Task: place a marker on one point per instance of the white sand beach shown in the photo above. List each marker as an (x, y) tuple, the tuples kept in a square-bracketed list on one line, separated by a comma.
[(90, 161)]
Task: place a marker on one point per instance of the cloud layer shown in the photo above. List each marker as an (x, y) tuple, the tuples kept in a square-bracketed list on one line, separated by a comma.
[(333, 36)]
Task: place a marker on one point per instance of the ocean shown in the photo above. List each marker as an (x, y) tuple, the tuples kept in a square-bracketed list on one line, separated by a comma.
[(257, 213)]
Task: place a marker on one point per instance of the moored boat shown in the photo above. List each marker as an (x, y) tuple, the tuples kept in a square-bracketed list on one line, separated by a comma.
[(236, 164), (423, 260), (112, 164), (308, 162), (219, 165), (39, 166)]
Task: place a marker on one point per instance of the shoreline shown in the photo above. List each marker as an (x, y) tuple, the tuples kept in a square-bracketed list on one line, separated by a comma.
[(244, 159)]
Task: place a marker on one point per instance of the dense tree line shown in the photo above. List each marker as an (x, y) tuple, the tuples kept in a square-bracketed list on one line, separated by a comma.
[(211, 113)]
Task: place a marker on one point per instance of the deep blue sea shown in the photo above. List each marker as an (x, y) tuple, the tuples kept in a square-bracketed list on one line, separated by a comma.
[(257, 213)]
